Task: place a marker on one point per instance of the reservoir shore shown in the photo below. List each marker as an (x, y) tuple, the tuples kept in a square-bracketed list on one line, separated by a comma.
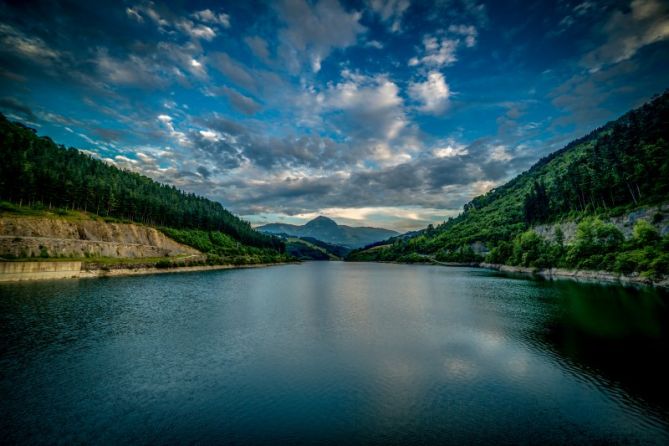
[(31, 271)]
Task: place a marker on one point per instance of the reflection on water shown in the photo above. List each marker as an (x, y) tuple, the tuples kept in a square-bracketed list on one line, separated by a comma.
[(618, 336), (332, 352)]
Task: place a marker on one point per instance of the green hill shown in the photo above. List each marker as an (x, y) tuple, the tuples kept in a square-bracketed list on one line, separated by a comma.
[(38, 174), (621, 166)]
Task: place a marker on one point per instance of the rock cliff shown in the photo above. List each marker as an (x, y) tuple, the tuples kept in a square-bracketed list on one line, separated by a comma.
[(53, 237)]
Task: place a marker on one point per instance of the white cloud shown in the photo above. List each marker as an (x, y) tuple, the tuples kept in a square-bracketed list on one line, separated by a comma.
[(210, 135), (432, 94), (626, 33), (450, 149), (390, 11), (374, 44), (208, 22), (373, 103), (208, 16), (195, 31), (440, 50), (437, 52), (180, 137)]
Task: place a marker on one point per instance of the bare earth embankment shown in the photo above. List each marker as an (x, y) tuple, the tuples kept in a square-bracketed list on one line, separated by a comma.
[(26, 237), (45, 247)]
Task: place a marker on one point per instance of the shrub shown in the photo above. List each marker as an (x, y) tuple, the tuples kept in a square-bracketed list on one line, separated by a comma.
[(163, 264), (644, 233)]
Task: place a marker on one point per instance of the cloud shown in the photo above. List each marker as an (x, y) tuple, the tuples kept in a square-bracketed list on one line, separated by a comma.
[(313, 30), (134, 14), (588, 98), (195, 31), (449, 149), (132, 71), (453, 175), (259, 47), (235, 71), (272, 152), (204, 25), (29, 47), (370, 111), (432, 94), (577, 12), (468, 32), (374, 44), (436, 52), (625, 33), (13, 106), (390, 11), (208, 16), (440, 50), (178, 136), (241, 103), (138, 13)]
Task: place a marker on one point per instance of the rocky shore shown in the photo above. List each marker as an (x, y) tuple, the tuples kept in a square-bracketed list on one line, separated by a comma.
[(579, 275)]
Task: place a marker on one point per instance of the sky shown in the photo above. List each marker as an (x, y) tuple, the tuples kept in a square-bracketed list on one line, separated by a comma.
[(380, 113)]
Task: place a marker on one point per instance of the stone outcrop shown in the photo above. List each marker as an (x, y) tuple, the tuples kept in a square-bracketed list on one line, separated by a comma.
[(658, 216), (40, 236)]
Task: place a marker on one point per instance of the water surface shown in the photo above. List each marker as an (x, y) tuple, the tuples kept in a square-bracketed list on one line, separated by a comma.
[(332, 353)]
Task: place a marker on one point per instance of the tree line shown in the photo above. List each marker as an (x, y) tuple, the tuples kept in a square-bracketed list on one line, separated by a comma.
[(36, 171)]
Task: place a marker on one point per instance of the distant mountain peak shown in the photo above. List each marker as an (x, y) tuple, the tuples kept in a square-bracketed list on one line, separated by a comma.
[(321, 221), (327, 230)]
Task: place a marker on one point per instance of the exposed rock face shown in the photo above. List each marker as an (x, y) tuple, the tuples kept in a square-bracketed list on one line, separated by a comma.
[(625, 223), (32, 237)]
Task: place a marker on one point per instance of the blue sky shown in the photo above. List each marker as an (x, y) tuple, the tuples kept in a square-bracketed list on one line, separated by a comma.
[(386, 113)]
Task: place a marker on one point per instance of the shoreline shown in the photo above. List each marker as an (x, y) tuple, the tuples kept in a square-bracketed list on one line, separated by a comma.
[(549, 273), (144, 271), (37, 271), (577, 275)]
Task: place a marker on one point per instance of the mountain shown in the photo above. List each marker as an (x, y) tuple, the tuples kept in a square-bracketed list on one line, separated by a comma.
[(327, 230), (595, 204), (41, 178)]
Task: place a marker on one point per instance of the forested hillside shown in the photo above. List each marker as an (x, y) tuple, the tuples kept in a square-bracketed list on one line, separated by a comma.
[(36, 172), (616, 168)]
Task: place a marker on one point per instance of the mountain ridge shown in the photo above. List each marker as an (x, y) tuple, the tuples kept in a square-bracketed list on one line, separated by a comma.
[(329, 231)]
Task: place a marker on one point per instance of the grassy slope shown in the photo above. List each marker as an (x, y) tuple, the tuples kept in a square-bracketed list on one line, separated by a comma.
[(304, 250)]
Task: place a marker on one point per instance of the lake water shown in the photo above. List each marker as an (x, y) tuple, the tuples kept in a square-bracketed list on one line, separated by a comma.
[(333, 353)]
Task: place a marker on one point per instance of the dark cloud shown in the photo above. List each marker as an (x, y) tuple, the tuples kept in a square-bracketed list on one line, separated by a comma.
[(312, 31), (14, 106), (234, 71), (241, 103)]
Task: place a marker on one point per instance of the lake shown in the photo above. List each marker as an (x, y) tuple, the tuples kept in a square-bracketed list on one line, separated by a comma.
[(334, 353)]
